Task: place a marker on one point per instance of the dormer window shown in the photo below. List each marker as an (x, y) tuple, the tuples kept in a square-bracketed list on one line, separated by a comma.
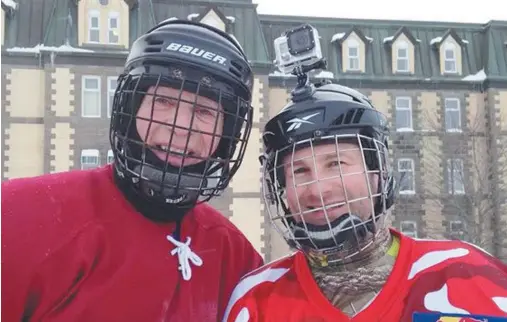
[(449, 48), (450, 58), (402, 57), (353, 53), (93, 26), (103, 22)]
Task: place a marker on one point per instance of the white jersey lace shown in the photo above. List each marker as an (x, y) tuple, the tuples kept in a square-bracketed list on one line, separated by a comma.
[(185, 256)]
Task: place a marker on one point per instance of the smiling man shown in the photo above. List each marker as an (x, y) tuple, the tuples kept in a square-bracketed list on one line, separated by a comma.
[(328, 189), (136, 240)]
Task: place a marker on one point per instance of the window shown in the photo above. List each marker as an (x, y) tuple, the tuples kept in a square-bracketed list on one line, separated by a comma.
[(90, 105), (452, 115), (407, 177), (110, 156), (93, 26), (403, 114), (450, 58), (113, 28), (353, 51), (457, 229), (455, 176), (89, 159), (402, 57), (409, 228), (111, 88)]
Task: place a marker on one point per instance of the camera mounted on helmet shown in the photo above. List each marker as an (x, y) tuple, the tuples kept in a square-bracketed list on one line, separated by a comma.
[(331, 116), (181, 114)]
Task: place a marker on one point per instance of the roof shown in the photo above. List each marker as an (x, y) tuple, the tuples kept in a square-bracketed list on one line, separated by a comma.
[(53, 23), (484, 51)]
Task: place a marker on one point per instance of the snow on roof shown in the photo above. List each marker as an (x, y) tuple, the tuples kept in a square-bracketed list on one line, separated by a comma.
[(464, 41), (170, 19), (388, 39), (192, 16), (368, 38), (337, 36), (231, 19), (39, 48), (479, 76), (10, 3), (277, 73), (321, 74), (435, 40), (324, 74)]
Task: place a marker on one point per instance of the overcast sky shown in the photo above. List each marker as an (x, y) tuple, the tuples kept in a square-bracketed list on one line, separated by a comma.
[(426, 10)]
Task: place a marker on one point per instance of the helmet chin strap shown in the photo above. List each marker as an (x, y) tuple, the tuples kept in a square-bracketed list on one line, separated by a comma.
[(345, 231)]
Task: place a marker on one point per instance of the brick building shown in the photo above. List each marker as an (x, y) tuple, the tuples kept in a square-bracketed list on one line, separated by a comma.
[(442, 85)]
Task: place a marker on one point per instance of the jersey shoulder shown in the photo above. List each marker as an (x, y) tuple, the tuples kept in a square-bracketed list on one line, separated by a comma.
[(259, 282), (449, 255)]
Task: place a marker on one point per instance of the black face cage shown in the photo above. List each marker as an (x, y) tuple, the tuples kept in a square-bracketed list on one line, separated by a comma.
[(375, 158), (134, 159)]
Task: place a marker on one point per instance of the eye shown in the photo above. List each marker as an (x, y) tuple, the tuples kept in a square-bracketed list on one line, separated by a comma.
[(300, 170), (335, 163), (160, 100)]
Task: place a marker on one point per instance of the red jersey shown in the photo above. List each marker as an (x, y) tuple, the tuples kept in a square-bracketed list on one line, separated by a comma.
[(74, 249), (428, 276)]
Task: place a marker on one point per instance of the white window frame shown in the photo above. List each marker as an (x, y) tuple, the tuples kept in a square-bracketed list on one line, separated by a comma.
[(93, 14), (113, 15), (450, 47), (410, 233), (110, 94), (83, 92), (409, 109), (90, 153), (403, 45), (110, 156), (412, 170), (453, 109), (353, 43), (459, 233), (455, 168)]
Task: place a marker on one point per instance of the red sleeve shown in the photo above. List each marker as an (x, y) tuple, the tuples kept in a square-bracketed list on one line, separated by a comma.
[(34, 233), (243, 258)]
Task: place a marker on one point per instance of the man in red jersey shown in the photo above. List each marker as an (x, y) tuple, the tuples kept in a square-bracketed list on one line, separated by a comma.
[(135, 241), (328, 188)]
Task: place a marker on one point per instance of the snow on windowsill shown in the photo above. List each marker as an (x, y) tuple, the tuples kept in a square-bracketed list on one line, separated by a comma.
[(39, 48), (10, 3), (479, 76)]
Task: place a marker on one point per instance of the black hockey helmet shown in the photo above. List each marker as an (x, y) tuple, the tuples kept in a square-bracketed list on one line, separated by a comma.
[(190, 57), (325, 113)]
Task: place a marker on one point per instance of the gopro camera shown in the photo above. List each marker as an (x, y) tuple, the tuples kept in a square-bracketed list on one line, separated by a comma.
[(298, 47)]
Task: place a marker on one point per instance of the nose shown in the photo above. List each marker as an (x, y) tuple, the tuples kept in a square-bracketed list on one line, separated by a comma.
[(180, 119), (321, 186)]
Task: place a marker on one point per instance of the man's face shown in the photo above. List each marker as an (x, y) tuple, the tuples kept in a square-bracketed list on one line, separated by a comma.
[(338, 180), (194, 122)]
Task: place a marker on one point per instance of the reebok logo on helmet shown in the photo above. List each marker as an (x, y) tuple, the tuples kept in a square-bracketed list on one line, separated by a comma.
[(189, 50)]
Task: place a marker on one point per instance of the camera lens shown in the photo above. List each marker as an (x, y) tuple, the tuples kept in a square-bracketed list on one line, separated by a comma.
[(300, 41)]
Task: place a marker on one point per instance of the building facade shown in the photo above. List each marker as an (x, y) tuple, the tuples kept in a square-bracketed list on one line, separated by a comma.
[(443, 86)]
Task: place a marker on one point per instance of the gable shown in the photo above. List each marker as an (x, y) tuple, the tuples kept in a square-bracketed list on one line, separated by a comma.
[(213, 19), (103, 22)]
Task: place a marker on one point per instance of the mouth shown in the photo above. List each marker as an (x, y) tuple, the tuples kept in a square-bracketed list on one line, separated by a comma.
[(320, 215), (174, 154), (175, 200)]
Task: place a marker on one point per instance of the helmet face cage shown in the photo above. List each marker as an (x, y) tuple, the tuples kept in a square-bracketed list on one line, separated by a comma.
[(346, 210), (191, 97)]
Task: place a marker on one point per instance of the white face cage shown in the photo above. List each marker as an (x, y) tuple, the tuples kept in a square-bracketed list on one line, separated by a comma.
[(327, 196)]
